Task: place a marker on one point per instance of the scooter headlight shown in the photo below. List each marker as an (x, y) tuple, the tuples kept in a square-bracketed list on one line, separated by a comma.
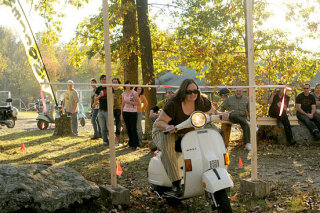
[(15, 112), (198, 119)]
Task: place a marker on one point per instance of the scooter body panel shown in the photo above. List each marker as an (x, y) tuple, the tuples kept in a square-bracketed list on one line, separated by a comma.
[(157, 175), (216, 179), (45, 118), (205, 148)]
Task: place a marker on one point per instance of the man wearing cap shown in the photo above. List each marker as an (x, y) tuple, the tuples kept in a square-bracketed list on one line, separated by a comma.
[(70, 106), (239, 105), (154, 112)]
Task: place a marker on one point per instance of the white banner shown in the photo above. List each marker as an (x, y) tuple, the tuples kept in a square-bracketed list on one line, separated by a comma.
[(23, 28)]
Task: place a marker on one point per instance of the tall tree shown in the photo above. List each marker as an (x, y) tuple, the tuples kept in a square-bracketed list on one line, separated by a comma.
[(146, 57), (130, 41)]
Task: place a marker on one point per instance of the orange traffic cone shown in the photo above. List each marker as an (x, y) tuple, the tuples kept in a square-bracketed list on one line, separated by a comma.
[(119, 170), (22, 148), (240, 162)]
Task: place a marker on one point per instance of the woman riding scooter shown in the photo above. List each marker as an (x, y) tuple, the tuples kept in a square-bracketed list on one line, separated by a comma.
[(178, 109)]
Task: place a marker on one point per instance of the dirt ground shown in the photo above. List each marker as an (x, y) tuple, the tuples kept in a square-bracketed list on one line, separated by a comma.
[(297, 167)]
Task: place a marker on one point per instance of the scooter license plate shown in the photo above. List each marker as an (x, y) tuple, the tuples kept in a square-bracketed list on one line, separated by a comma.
[(214, 164)]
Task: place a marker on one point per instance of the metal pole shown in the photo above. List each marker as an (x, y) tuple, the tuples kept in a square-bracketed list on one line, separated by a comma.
[(252, 92), (109, 92)]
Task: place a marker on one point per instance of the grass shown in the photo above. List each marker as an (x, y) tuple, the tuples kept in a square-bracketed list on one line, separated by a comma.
[(91, 159)]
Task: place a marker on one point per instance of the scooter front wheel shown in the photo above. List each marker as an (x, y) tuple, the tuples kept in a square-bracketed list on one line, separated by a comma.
[(42, 124), (11, 124), (220, 201)]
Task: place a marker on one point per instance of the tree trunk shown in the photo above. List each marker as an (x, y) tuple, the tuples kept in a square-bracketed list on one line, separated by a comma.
[(130, 44), (63, 126), (146, 60)]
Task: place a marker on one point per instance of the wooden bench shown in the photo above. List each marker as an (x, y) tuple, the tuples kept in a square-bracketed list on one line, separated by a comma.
[(262, 121), (268, 121)]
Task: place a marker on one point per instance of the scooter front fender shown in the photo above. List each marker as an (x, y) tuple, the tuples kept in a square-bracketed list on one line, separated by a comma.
[(216, 179)]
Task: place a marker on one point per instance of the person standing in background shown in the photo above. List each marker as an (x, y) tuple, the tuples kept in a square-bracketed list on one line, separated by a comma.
[(101, 96), (70, 105), (117, 95), (130, 101), (140, 110), (95, 110)]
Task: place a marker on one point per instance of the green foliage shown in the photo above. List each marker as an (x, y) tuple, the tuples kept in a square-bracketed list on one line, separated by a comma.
[(51, 12), (15, 71)]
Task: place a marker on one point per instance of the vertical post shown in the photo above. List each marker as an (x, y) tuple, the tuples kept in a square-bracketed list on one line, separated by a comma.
[(252, 92), (109, 92)]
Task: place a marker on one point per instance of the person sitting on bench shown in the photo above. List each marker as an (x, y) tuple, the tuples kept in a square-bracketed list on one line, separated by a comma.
[(275, 101)]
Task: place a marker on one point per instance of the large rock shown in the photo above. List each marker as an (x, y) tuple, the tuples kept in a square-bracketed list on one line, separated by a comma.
[(300, 133), (42, 188)]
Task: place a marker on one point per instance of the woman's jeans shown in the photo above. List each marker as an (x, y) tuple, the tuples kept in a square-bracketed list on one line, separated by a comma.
[(95, 123), (130, 119)]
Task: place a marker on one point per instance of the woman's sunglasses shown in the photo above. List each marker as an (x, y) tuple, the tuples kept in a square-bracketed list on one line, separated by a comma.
[(189, 92)]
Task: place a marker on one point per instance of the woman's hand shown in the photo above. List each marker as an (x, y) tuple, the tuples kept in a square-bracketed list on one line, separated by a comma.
[(173, 130)]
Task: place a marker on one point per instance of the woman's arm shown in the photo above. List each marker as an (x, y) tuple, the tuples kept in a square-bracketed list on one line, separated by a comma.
[(163, 122), (144, 101), (136, 100)]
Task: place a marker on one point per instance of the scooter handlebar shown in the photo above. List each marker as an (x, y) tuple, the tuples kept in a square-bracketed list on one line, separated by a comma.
[(168, 130)]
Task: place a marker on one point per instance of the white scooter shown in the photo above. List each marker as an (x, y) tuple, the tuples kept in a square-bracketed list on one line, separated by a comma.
[(203, 164)]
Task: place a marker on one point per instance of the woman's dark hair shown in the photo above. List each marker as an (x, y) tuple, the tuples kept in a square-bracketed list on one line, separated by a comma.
[(141, 90), (117, 79), (128, 82), (94, 80), (180, 94)]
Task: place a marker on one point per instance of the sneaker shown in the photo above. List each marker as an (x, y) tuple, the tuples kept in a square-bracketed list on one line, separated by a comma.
[(248, 146), (94, 138), (105, 143), (137, 148), (316, 134)]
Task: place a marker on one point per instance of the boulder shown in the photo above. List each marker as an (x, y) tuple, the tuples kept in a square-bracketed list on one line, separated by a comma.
[(42, 188), (300, 133)]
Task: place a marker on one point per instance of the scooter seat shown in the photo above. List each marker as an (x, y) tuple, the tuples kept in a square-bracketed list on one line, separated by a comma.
[(5, 107)]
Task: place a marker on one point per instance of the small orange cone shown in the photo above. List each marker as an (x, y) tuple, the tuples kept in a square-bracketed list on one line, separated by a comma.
[(240, 162), (22, 148), (119, 170)]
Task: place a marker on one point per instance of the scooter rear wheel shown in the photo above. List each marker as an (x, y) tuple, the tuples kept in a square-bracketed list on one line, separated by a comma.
[(82, 122), (42, 124)]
